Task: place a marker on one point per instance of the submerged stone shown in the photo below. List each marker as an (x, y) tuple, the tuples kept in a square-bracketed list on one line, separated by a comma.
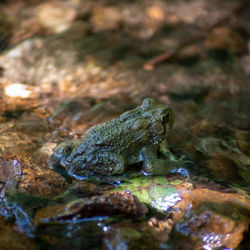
[(156, 192)]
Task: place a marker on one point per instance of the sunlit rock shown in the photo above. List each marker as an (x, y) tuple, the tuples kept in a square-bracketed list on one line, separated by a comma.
[(108, 18), (55, 17), (17, 90)]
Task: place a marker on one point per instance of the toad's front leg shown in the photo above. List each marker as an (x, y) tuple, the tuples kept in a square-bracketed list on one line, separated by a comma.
[(157, 166)]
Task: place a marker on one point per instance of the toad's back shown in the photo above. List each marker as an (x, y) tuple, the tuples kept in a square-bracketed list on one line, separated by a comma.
[(116, 136)]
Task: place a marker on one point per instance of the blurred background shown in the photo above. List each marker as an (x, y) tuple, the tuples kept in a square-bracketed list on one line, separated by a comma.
[(68, 65)]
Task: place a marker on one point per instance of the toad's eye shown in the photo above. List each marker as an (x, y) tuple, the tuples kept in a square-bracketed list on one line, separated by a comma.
[(165, 117)]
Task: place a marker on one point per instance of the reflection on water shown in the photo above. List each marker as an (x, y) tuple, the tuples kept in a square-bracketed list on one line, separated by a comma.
[(211, 241), (166, 202)]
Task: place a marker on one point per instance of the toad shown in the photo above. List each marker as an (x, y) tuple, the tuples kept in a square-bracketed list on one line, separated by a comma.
[(138, 135)]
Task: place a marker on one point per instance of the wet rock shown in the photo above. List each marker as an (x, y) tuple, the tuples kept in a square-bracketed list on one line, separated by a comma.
[(12, 239), (32, 124), (62, 63), (232, 112), (38, 179), (122, 202), (14, 143), (162, 228), (83, 235), (21, 220), (26, 135), (83, 189), (196, 93), (21, 208), (28, 203), (10, 174), (44, 151), (225, 38), (41, 57), (226, 162), (209, 229), (59, 203), (130, 236), (81, 113), (195, 197), (209, 218)]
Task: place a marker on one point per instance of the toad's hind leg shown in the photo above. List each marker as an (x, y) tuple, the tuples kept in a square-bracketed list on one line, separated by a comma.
[(110, 163), (102, 163)]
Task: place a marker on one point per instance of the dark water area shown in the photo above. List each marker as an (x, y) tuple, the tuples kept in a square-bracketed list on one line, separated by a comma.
[(66, 66)]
